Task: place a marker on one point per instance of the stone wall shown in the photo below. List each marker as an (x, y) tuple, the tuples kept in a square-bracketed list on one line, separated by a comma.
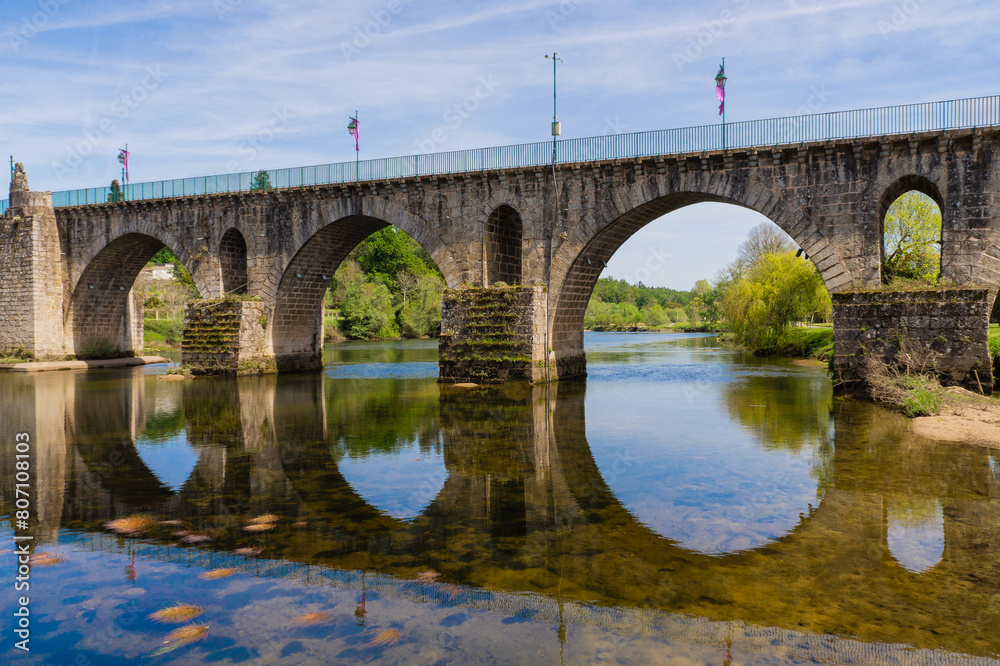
[(492, 335), (31, 293), (941, 331), (226, 338)]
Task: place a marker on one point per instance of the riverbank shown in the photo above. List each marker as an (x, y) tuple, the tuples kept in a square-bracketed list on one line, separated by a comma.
[(962, 416), (702, 327), (802, 342), (47, 366)]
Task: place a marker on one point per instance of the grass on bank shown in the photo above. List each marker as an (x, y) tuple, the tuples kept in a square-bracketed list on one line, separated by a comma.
[(797, 341), (994, 342), (162, 333)]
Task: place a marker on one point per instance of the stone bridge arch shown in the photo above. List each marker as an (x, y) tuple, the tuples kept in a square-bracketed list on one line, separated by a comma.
[(899, 187), (102, 311), (295, 286), (233, 261), (584, 252), (503, 238)]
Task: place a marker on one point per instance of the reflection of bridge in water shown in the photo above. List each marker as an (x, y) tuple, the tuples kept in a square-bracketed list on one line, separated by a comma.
[(524, 503)]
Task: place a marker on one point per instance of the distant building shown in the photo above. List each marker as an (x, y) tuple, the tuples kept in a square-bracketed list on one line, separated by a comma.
[(163, 272)]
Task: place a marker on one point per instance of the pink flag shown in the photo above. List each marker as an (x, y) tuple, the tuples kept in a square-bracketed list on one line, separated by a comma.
[(123, 159), (720, 88), (352, 127)]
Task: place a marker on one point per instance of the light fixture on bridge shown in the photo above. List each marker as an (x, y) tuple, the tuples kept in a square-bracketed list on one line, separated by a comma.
[(121, 288), (325, 277), (603, 265), (298, 275), (90, 286), (587, 259)]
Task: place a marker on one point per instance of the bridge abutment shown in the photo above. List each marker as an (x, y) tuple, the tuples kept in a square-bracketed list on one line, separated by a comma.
[(939, 331), (32, 291)]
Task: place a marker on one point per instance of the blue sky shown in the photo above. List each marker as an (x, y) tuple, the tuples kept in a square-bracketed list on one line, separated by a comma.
[(215, 86)]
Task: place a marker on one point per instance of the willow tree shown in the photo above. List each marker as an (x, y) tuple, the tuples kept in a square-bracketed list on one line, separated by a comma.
[(777, 289), (912, 239)]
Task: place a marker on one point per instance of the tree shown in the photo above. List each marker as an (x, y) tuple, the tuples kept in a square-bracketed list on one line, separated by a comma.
[(116, 193), (368, 312), (776, 290), (765, 238), (654, 315), (389, 252), (261, 181), (708, 297), (912, 239), (421, 314)]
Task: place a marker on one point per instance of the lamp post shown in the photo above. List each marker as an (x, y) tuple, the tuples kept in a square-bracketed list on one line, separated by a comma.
[(720, 91), (556, 127), (354, 128)]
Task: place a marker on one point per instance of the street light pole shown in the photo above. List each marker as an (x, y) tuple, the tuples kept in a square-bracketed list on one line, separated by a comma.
[(556, 127), (720, 92), (556, 131)]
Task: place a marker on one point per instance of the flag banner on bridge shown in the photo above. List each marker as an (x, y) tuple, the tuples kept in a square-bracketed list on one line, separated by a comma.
[(123, 158), (352, 127), (720, 88)]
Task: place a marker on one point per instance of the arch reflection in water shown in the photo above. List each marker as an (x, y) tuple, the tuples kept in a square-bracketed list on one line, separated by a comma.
[(915, 535), (711, 485), (387, 443), (163, 445), (526, 508)]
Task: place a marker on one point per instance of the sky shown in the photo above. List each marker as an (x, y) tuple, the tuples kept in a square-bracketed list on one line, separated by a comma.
[(202, 87)]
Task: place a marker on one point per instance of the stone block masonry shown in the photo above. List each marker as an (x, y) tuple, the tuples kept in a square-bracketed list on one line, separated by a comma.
[(492, 335), (226, 338), (939, 331), (31, 293)]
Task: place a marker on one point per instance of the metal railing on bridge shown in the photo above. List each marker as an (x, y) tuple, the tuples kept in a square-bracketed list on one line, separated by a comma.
[(835, 125)]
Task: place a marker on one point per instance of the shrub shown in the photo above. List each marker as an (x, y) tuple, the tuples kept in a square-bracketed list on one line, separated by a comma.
[(101, 350)]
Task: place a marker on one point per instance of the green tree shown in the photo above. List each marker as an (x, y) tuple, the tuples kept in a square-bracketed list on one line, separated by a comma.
[(164, 256), (261, 181), (368, 311), (912, 239), (776, 290), (388, 253), (421, 312), (708, 296), (116, 193), (654, 315)]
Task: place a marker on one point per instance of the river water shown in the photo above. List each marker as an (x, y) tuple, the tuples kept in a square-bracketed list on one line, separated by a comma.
[(686, 504)]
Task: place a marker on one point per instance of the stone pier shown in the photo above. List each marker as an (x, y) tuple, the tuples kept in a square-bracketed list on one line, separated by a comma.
[(492, 335), (226, 337), (937, 331)]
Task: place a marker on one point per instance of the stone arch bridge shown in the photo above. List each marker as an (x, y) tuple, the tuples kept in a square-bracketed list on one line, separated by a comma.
[(548, 228)]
